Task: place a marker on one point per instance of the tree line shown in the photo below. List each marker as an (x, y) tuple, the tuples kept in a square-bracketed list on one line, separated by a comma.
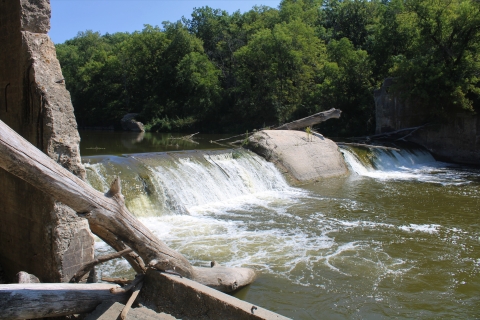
[(221, 72)]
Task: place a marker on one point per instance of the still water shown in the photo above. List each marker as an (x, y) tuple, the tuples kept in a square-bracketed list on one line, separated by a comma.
[(398, 238)]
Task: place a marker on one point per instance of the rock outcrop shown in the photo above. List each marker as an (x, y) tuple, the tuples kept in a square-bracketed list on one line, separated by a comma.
[(129, 123), (456, 140), (37, 234), (301, 157)]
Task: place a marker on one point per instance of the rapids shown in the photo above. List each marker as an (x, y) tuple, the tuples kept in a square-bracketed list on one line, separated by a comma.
[(399, 237)]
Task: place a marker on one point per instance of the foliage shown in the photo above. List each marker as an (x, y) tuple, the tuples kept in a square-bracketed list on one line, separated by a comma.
[(222, 72), (276, 71), (441, 67)]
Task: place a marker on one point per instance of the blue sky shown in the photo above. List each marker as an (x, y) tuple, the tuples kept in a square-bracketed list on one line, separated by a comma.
[(71, 16)]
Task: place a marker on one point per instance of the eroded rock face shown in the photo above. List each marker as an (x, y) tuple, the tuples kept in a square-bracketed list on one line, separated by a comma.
[(35, 15), (301, 157), (37, 234)]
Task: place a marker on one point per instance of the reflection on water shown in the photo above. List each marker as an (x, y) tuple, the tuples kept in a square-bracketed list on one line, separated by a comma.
[(117, 143), (398, 238)]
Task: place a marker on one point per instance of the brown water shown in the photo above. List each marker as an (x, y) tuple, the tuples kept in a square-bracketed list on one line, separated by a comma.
[(398, 238)]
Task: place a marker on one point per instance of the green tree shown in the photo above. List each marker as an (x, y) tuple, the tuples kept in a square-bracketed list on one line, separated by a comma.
[(277, 70), (352, 19), (198, 79), (345, 83), (390, 39), (440, 70)]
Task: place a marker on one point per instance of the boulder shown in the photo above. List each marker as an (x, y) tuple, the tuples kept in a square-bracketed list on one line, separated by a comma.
[(301, 157), (130, 124)]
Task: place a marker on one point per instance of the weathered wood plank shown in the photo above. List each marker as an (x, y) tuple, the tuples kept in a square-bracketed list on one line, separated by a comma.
[(311, 120), (38, 300)]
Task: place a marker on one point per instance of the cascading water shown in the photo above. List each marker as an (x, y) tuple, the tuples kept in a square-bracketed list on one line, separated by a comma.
[(172, 183), (400, 164), (397, 238)]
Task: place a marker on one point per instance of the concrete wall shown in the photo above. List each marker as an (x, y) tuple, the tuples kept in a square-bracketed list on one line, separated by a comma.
[(188, 300), (37, 234), (455, 140)]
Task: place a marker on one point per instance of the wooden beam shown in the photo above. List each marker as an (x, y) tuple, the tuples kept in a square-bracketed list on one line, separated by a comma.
[(311, 120), (40, 300)]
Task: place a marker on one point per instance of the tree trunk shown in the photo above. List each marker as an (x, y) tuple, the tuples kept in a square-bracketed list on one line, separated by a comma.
[(311, 120), (107, 213), (39, 300)]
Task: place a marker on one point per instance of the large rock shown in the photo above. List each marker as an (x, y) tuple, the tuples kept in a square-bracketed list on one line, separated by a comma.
[(130, 124), (37, 234), (301, 157)]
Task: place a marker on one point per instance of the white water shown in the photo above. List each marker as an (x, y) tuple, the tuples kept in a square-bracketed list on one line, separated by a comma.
[(237, 208), (177, 184), (398, 238), (413, 164), (220, 178)]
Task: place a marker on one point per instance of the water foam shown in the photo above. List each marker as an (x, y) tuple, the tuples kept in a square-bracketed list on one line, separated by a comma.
[(172, 183), (238, 210), (415, 164)]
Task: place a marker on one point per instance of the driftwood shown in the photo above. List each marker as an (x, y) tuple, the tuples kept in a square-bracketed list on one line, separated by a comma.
[(225, 139), (39, 300), (120, 281), (311, 120), (130, 286), (106, 213), (187, 137), (297, 124), (130, 301), (366, 145), (87, 267), (116, 243), (389, 135)]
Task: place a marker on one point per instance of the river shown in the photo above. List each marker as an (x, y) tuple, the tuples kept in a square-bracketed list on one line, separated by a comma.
[(398, 238)]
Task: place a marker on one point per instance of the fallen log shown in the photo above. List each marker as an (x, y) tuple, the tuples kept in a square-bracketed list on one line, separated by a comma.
[(130, 286), (39, 300), (107, 214), (87, 267), (311, 120), (388, 135), (130, 301), (367, 146), (121, 281)]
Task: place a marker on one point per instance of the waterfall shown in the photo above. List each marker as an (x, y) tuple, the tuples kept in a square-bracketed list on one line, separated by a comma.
[(171, 183), (404, 164), (364, 160)]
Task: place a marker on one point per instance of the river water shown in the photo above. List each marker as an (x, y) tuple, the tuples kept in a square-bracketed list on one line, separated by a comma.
[(399, 237)]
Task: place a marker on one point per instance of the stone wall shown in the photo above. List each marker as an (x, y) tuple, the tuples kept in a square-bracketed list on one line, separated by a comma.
[(37, 234), (457, 140)]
